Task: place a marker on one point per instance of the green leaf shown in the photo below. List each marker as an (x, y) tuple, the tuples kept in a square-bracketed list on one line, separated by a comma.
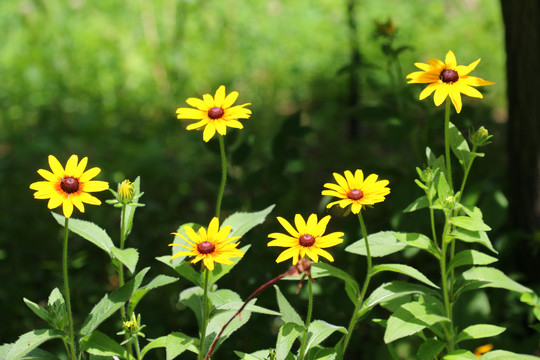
[(176, 343), (470, 257), (129, 257), (38, 354), (100, 344), (459, 146), (403, 269), (481, 277), (31, 340), (319, 330), (159, 342), (506, 355), (469, 223), (158, 281), (419, 241), (430, 349), (351, 286), (257, 355), (221, 270), (183, 269), (443, 189), (38, 310), (473, 236), (380, 244), (191, 297), (111, 303), (393, 290), (320, 353), (479, 331), (411, 318), (243, 222), (225, 299), (88, 231), (216, 323), (460, 355), (288, 314), (420, 203), (130, 208), (287, 334)]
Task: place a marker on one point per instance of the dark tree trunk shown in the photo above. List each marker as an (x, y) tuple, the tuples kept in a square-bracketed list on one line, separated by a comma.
[(522, 25)]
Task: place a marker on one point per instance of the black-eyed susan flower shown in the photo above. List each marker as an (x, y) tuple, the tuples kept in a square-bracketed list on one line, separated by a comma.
[(70, 186), (214, 113), (356, 191), (307, 239), (447, 79), (212, 245)]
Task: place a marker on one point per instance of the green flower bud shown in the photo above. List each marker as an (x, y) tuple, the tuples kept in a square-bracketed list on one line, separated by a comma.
[(480, 137), (125, 192)]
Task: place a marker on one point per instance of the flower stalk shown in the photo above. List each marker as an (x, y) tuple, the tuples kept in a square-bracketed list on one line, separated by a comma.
[(223, 175), (204, 313), (72, 354), (308, 322)]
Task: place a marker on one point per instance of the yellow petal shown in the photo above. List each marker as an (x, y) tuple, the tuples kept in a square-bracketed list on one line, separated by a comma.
[(288, 227), (71, 166), (198, 124), (341, 181), (219, 98), (67, 208), (76, 200), (455, 96), (188, 113), (56, 167), (47, 175), (465, 70), (230, 99), (209, 131), (450, 60), (208, 262), (300, 224), (95, 185), (440, 94), (220, 127), (214, 226), (87, 198), (289, 253), (235, 124), (55, 201), (320, 228), (428, 90), (89, 174), (208, 101), (80, 168), (197, 103)]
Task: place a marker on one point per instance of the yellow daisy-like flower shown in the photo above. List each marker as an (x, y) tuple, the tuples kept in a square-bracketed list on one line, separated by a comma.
[(69, 186), (209, 246), (356, 191), (306, 239), (214, 113), (447, 79)]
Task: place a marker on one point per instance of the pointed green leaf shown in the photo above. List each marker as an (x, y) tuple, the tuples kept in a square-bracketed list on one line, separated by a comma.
[(479, 331), (319, 330), (38, 310), (351, 286), (100, 344), (469, 223), (88, 231), (176, 343), (418, 240), (243, 222), (37, 354), (217, 321), (459, 146), (288, 314), (473, 236), (430, 349), (403, 269), (130, 208), (380, 244), (506, 355), (443, 189), (111, 303), (158, 281), (481, 277), (221, 270), (411, 318), (31, 340), (184, 269), (191, 297), (460, 355), (470, 257), (420, 203), (287, 334), (322, 353), (157, 343), (257, 355), (129, 257), (393, 290)]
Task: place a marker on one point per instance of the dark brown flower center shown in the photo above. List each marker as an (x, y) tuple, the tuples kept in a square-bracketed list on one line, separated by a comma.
[(206, 247), (215, 113), (449, 76), (355, 194), (69, 184), (306, 240)]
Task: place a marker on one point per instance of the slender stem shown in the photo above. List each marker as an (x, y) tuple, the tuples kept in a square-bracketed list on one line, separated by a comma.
[(432, 219), (308, 322), (137, 348), (360, 301), (204, 313), (121, 272), (444, 276), (447, 143), (466, 174), (223, 174), (73, 354)]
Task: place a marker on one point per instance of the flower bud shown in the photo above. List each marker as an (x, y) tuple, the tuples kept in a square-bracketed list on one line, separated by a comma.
[(480, 137), (125, 192)]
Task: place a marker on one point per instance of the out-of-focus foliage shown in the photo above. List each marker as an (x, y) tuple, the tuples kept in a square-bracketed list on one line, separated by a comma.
[(102, 79)]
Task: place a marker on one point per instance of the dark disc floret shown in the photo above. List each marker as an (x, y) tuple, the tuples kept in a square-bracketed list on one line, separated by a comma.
[(307, 240), (355, 194), (206, 247), (215, 113), (69, 185), (449, 76)]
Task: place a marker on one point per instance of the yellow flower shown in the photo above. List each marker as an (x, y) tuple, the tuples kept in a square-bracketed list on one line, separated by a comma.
[(214, 113), (306, 239), (209, 246), (482, 350), (447, 79), (69, 186), (355, 191)]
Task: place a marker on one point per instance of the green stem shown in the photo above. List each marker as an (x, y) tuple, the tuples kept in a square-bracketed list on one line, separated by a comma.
[(466, 174), (223, 174), (360, 301), (137, 349), (73, 354), (447, 143), (121, 271), (444, 277), (308, 322), (204, 314), (432, 219)]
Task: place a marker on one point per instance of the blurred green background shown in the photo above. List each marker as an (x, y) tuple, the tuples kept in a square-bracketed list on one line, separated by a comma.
[(103, 79)]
